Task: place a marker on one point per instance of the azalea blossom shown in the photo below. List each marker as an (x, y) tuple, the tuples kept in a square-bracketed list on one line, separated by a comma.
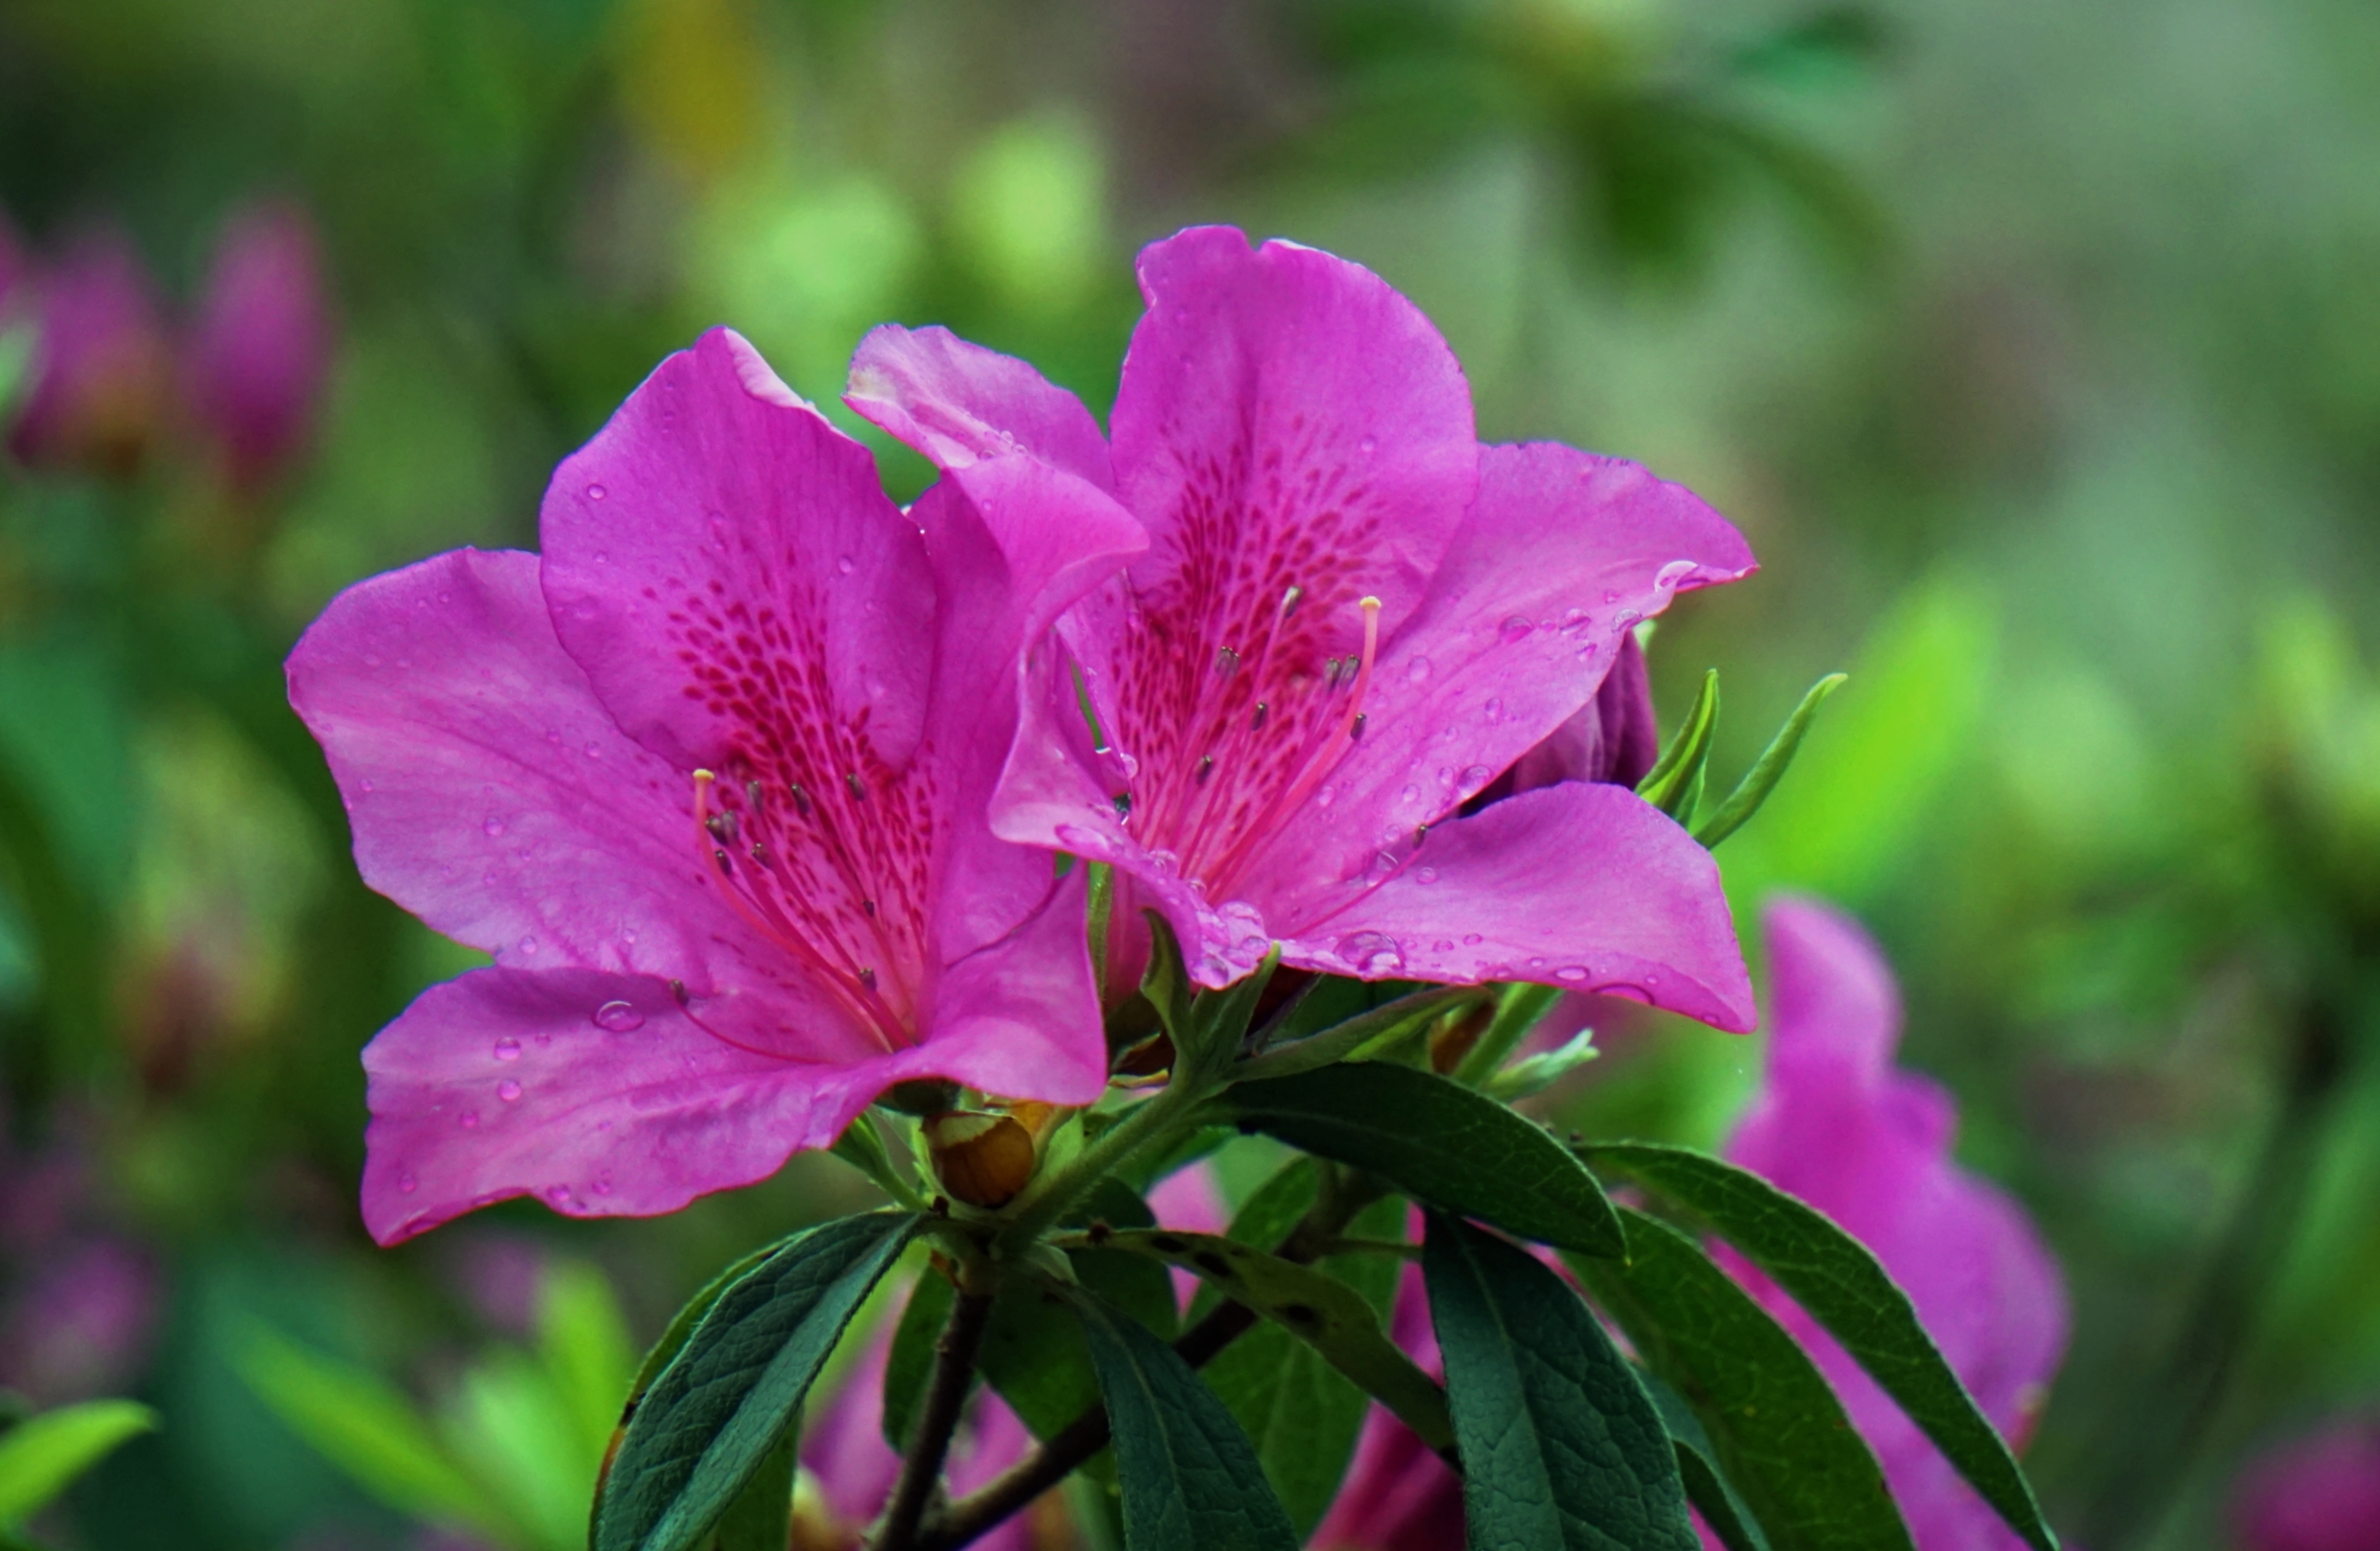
[(706, 778), (260, 342), (2319, 1493), (1839, 1125), (103, 358), (1351, 619)]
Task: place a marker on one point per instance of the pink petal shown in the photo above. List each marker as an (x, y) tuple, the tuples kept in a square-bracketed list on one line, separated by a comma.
[(1563, 553), (959, 403), (598, 1094), (1838, 1126), (1583, 887), (1020, 1017), (1614, 738), (2320, 1493), (493, 797)]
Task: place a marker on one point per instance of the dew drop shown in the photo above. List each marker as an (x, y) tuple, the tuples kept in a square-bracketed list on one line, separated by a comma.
[(1494, 711), (527, 945), (1574, 619), (1476, 775), (1411, 794), (844, 565), (596, 493), (507, 1049), (364, 786), (1472, 939), (406, 1184), (594, 752), (1612, 595), (1571, 972), (620, 1018), (1369, 445), (494, 827), (604, 1183), (1424, 874), (1443, 945), (1417, 671), (1536, 963), (469, 1119), (1372, 953), (1324, 797), (1514, 629), (508, 1091), (558, 1194)]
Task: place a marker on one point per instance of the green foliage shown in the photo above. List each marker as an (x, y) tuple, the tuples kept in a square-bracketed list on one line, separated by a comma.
[(1439, 1143), (1561, 1448), (1674, 785), (1713, 1495), (911, 1356), (41, 1456), (723, 1405), (1519, 1009), (1188, 1474), (1770, 768), (1840, 1285), (1374, 1033), (1774, 1427)]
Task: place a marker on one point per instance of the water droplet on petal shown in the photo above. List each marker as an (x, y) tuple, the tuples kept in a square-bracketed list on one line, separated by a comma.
[(364, 786), (1443, 945), (558, 1194), (604, 1183), (1418, 670), (1494, 711), (1472, 939), (1536, 963), (1514, 629), (1571, 972), (407, 1184), (507, 1050), (1424, 874), (846, 565), (1367, 446), (1476, 775), (620, 1018), (1372, 953), (469, 1119), (494, 827), (1324, 797), (529, 945), (1612, 595), (1411, 794), (596, 493), (508, 1091)]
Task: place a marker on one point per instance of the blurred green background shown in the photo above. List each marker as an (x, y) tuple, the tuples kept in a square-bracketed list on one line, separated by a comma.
[(2035, 346)]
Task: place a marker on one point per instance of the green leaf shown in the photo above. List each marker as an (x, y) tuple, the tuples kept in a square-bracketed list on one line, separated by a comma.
[(1675, 782), (583, 1342), (1366, 1034), (1266, 1218), (1327, 1314), (1706, 1489), (1777, 1429), (40, 1457), (1846, 1290), (1219, 1021), (1770, 768), (1165, 982), (1303, 1417), (862, 1146), (761, 1516), (1439, 1141), (1561, 1447), (1035, 1357), (1519, 1008), (1189, 1477), (910, 1362), (1534, 1074), (707, 1426), (363, 1425), (15, 361)]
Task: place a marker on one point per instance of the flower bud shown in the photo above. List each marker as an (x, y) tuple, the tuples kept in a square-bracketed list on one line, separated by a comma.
[(102, 360), (983, 1160), (260, 344)]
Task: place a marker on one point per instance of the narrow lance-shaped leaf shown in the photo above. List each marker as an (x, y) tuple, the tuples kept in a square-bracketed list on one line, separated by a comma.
[(1439, 1141), (40, 1457), (1321, 1311), (1534, 1074), (1561, 1448), (1708, 1488), (709, 1422), (1774, 1426), (1368, 1033), (1519, 1008), (1848, 1291), (1770, 768), (1675, 782), (1189, 1478)]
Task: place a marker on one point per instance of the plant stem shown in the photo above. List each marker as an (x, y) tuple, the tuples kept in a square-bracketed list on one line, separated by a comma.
[(1087, 1434), (1144, 1125), (937, 1417)]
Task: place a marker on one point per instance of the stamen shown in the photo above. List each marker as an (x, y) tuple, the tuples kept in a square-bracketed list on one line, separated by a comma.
[(721, 826), (1356, 729), (1257, 722), (1206, 768), (1226, 662), (678, 994), (1289, 599), (761, 855), (752, 795), (869, 905), (858, 792), (868, 977), (726, 868), (801, 798)]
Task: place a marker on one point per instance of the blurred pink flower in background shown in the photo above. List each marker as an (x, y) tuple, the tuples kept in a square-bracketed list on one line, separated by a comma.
[(1836, 1125), (103, 358), (1398, 1495), (2317, 1493), (79, 1304), (259, 343)]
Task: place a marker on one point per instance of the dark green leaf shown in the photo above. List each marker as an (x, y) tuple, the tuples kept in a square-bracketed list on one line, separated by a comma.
[(1778, 1431), (1190, 1479), (1365, 1034), (1219, 1020), (1266, 1217), (710, 1420), (1561, 1448), (1439, 1141), (1675, 782), (761, 1516), (1706, 1489), (1770, 768), (1841, 1286), (910, 1361)]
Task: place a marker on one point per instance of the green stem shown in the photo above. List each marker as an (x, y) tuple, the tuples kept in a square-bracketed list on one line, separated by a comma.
[(1152, 1120)]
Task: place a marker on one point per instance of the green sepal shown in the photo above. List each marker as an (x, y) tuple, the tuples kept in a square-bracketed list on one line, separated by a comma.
[(1675, 782), (1532, 1075), (1166, 981), (1219, 1021), (1770, 768), (1520, 1007)]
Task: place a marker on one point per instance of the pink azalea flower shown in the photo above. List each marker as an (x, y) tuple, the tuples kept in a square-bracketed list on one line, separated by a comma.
[(260, 345), (1351, 618), (102, 359), (1836, 1125), (2314, 1494), (1614, 738), (707, 779)]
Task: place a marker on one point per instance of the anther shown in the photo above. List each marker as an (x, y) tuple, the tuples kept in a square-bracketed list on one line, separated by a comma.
[(858, 792), (721, 826), (1355, 729), (868, 978), (761, 855), (869, 905), (1257, 721), (1227, 663), (1289, 599), (801, 798), (677, 993), (1331, 674), (1206, 768), (726, 868), (752, 795)]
